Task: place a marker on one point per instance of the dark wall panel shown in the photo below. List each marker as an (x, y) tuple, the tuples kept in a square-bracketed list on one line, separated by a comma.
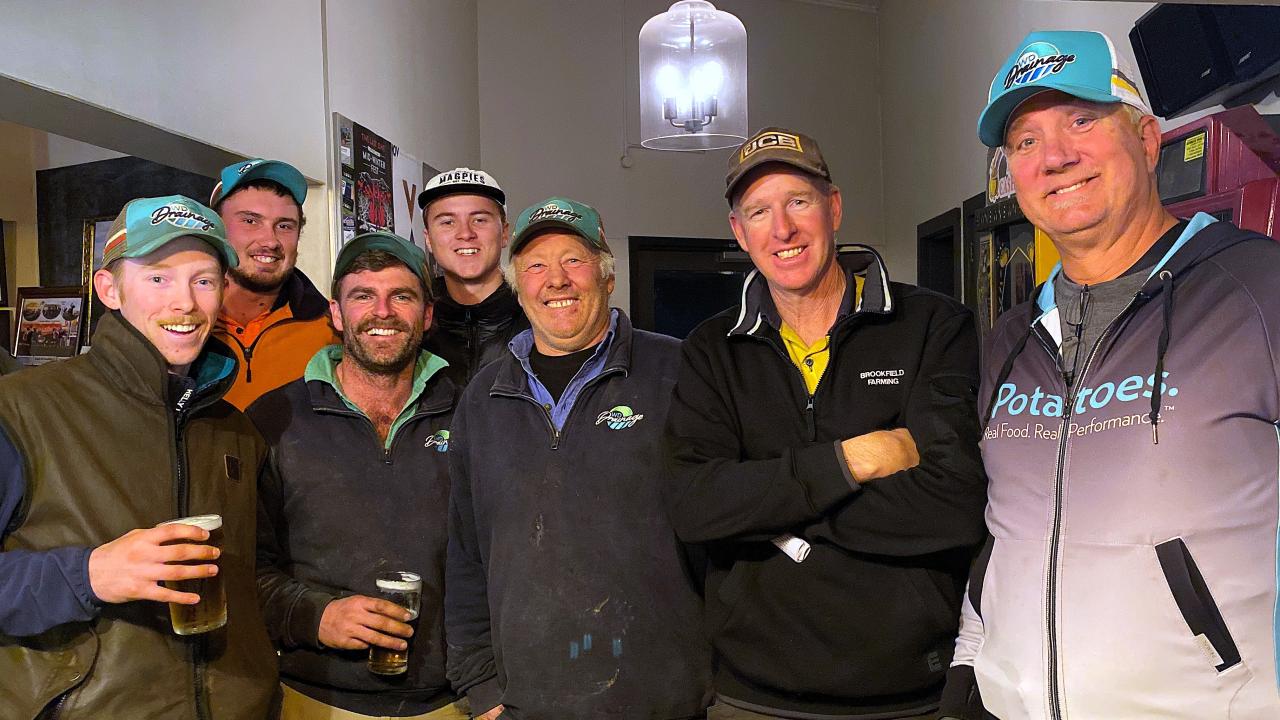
[(67, 196)]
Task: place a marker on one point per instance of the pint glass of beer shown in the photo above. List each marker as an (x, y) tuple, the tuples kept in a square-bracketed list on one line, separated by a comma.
[(211, 612), (405, 590)]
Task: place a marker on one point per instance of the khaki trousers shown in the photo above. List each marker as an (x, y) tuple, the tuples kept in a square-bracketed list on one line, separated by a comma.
[(297, 706)]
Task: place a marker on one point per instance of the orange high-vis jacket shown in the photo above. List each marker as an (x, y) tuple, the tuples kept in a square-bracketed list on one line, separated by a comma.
[(274, 348)]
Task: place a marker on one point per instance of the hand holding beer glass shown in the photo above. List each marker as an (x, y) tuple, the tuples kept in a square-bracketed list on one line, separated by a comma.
[(403, 589), (132, 566), (210, 611), (357, 622)]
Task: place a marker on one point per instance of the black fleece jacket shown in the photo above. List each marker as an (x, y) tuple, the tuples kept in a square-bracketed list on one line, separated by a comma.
[(336, 508), (865, 625), (568, 595)]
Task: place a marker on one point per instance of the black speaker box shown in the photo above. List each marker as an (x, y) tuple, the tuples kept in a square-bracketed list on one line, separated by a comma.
[(1192, 56)]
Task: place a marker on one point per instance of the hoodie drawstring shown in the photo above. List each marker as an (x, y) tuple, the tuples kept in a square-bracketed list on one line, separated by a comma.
[(1157, 389)]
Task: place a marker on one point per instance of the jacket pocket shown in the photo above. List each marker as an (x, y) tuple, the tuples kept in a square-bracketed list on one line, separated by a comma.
[(1196, 603)]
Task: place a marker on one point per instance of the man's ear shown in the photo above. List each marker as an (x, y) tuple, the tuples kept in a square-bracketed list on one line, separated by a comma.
[(107, 288), (335, 316)]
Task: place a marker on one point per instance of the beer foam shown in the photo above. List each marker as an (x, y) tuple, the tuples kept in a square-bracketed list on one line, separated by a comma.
[(408, 583), (204, 522)]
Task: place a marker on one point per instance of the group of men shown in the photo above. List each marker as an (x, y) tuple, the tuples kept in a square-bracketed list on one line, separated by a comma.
[(780, 517)]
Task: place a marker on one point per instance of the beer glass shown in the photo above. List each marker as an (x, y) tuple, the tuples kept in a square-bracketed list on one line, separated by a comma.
[(211, 612), (403, 589)]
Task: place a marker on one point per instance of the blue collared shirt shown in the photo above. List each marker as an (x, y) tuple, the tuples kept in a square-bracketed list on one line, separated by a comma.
[(522, 345)]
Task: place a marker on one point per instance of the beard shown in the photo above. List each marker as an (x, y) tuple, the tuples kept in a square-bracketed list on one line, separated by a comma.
[(388, 361), (260, 282)]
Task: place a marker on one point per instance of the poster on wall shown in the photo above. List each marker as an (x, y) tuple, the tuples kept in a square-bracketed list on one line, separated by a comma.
[(378, 184), (373, 181)]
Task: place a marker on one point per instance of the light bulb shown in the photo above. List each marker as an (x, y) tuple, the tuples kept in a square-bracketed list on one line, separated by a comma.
[(706, 80)]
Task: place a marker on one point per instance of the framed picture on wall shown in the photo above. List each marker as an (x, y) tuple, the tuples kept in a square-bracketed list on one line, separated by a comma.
[(50, 321), (95, 241)]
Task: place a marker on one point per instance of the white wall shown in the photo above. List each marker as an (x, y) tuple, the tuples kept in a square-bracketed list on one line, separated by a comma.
[(59, 152), (559, 101), (938, 58), (248, 76), (426, 102)]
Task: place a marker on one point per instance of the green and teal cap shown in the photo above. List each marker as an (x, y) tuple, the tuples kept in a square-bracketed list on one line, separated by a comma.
[(147, 224), (258, 169), (1080, 63), (401, 249), (558, 212)]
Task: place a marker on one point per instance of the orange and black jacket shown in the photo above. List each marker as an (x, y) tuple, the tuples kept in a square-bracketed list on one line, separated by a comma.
[(274, 350)]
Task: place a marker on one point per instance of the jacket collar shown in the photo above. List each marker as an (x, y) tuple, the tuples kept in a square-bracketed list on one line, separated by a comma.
[(135, 366), (430, 396), (300, 294), (512, 378), (758, 310), (499, 306)]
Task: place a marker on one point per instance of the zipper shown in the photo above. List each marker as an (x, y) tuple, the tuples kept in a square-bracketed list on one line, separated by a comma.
[(247, 350), (556, 435), (56, 711), (1055, 538), (386, 450), (196, 649), (810, 414), (473, 343)]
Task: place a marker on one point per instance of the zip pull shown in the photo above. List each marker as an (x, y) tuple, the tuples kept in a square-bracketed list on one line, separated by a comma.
[(808, 418), (248, 364)]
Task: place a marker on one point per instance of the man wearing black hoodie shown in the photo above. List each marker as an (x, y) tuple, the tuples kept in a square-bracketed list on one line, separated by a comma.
[(465, 215), (823, 442)]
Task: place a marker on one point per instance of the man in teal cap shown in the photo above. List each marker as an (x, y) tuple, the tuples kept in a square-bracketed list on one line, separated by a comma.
[(1130, 413), (357, 482), (568, 594), (95, 452), (272, 317)]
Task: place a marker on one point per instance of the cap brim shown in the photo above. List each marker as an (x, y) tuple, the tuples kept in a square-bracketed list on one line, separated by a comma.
[(426, 196), (526, 234), (360, 245), (276, 171), (220, 246), (995, 117), (754, 163)]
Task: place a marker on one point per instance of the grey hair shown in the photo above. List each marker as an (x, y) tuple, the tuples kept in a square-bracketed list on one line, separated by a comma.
[(608, 269)]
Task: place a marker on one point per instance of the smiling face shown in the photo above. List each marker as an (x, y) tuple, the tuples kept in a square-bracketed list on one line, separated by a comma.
[(171, 296), (559, 285), (467, 234), (1083, 171), (264, 228), (787, 223), (382, 315)]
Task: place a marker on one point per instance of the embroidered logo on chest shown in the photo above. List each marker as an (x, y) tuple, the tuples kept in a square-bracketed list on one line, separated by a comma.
[(439, 441), (619, 418), (882, 377)]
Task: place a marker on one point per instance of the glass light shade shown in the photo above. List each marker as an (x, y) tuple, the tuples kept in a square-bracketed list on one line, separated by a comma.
[(693, 79)]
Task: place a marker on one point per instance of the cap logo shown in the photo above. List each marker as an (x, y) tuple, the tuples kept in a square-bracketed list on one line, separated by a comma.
[(552, 211), (181, 216), (247, 167), (465, 176), (766, 141), (1036, 61)]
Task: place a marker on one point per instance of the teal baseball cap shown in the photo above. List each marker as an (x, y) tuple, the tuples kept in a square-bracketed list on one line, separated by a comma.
[(401, 249), (1080, 63), (559, 212), (278, 171), (147, 224)]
